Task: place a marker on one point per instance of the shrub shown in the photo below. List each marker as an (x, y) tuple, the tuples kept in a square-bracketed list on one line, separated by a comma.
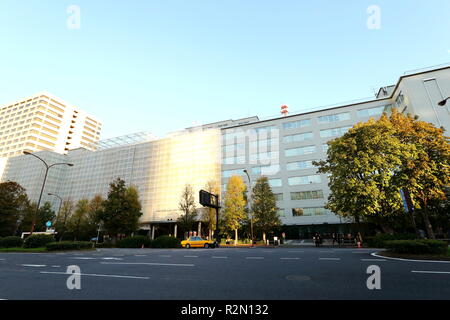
[(38, 240), (134, 242), (11, 242), (166, 242), (68, 245), (379, 241), (418, 246)]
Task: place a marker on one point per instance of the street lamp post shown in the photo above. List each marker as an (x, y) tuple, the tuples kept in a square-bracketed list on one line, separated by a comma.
[(60, 202), (47, 168), (443, 102), (249, 207)]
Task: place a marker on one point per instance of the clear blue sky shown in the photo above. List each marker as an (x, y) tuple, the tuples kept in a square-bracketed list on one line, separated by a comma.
[(162, 65)]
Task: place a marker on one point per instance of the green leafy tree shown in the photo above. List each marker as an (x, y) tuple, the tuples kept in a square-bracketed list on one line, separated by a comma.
[(78, 220), (13, 202), (264, 207), (63, 216), (234, 211), (428, 172), (121, 210), (188, 209), (44, 214), (363, 169), (371, 163)]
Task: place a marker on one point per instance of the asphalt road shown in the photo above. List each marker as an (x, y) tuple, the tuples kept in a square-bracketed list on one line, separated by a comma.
[(224, 274)]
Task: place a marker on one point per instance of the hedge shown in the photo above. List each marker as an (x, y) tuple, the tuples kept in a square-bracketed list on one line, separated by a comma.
[(135, 242), (379, 241), (11, 242), (418, 246), (38, 240), (68, 245), (166, 242)]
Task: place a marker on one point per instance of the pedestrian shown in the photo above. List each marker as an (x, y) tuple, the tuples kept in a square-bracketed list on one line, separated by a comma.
[(334, 237)]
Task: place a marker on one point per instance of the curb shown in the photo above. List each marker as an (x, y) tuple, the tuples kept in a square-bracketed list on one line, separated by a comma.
[(410, 260)]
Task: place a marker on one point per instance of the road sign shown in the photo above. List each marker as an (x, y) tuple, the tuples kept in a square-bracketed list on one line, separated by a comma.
[(48, 224), (208, 199)]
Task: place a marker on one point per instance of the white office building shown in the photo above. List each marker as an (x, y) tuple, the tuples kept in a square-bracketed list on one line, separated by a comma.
[(282, 148)]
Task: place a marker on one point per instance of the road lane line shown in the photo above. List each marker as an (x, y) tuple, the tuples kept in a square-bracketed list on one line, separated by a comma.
[(140, 255), (215, 257), (83, 258), (436, 272), (331, 259), (289, 258), (56, 266), (191, 256), (151, 264), (164, 256), (408, 260), (111, 258), (97, 275), (373, 259), (254, 257), (34, 265)]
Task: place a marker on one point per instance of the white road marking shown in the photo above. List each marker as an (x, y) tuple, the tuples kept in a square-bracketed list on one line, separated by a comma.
[(83, 258), (436, 272), (332, 259), (289, 258), (56, 266), (326, 251), (191, 256), (408, 260), (34, 265), (215, 257), (2, 259), (152, 264), (164, 256), (110, 258), (98, 275), (140, 255), (373, 259), (254, 257)]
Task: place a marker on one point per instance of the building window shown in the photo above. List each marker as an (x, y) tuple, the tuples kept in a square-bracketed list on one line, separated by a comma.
[(317, 211), (300, 165), (334, 117), (266, 170), (307, 195), (335, 132), (376, 111), (299, 151), (280, 212), (275, 183), (297, 124), (298, 137), (279, 197), (296, 181)]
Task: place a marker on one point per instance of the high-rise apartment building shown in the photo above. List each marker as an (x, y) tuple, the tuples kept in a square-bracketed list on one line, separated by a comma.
[(45, 122)]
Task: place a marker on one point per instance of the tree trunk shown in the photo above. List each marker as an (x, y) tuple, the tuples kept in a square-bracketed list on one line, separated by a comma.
[(235, 237), (427, 223), (413, 221)]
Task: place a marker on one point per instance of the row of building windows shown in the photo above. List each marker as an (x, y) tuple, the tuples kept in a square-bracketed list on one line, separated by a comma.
[(231, 135)]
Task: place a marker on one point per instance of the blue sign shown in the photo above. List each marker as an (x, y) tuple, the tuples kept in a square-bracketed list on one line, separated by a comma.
[(48, 224)]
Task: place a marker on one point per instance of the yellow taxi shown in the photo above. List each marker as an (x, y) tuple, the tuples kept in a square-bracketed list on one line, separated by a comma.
[(197, 242)]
